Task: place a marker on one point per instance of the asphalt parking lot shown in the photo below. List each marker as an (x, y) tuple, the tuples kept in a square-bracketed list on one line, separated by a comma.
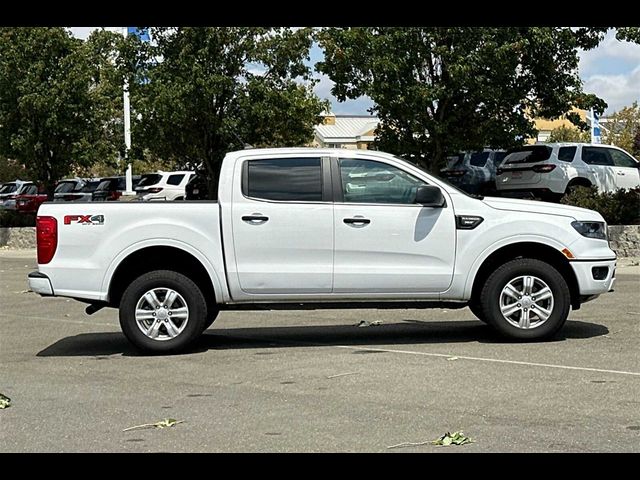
[(315, 382)]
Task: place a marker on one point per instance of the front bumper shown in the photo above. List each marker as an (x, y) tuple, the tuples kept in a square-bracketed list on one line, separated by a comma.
[(40, 283), (584, 272)]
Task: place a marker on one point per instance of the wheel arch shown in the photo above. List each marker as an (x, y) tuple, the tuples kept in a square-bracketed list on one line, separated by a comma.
[(147, 258), (528, 249)]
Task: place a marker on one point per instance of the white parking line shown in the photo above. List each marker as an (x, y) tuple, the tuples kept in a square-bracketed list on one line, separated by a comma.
[(494, 360)]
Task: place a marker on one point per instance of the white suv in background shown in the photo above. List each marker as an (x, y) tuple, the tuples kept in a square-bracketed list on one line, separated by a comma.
[(551, 170), (163, 185)]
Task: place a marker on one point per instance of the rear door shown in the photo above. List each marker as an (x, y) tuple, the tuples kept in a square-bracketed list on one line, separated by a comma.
[(600, 169), (282, 220), (385, 243)]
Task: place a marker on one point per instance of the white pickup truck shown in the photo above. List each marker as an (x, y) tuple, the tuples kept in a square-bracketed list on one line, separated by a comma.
[(311, 228)]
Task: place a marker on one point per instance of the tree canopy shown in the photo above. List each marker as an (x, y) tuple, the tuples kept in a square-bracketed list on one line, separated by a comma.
[(439, 90), (200, 92), (56, 102), (623, 129)]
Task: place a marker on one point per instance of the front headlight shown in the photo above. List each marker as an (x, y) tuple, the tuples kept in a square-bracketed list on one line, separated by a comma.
[(591, 229)]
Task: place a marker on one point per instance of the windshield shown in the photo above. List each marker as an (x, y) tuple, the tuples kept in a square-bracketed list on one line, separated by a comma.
[(65, 187), (9, 188), (149, 179)]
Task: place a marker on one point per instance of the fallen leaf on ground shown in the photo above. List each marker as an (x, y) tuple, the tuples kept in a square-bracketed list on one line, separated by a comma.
[(455, 438), (5, 402), (365, 323), (167, 422)]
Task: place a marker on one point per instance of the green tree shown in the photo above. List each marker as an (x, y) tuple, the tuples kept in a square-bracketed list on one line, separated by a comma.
[(438, 90), (11, 170), (622, 128), (55, 106), (201, 92), (569, 134)]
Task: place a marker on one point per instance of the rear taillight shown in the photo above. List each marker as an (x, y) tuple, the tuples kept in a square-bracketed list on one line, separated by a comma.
[(115, 195), (154, 190), (47, 238), (543, 168)]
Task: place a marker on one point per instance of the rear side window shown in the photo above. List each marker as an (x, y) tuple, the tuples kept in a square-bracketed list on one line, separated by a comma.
[(566, 154), (175, 179), (532, 154), (479, 159), (596, 156), (30, 190), (286, 179)]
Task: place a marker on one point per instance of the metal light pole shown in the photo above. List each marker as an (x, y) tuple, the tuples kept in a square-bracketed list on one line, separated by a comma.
[(127, 132)]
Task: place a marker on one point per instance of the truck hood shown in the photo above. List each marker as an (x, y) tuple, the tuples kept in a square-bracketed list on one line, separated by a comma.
[(533, 206)]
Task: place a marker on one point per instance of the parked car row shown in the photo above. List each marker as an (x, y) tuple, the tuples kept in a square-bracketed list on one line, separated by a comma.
[(547, 171), (26, 196), (22, 196)]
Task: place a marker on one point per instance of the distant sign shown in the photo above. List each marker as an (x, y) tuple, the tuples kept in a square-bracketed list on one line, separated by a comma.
[(596, 136), (142, 33)]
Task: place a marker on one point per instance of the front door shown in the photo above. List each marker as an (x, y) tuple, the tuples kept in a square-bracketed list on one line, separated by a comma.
[(384, 242), (283, 228), (626, 168)]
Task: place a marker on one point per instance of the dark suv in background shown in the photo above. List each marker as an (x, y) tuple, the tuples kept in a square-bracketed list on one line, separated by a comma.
[(111, 188)]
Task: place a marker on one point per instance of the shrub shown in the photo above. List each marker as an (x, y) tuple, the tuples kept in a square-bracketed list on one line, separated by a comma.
[(621, 207), (9, 218)]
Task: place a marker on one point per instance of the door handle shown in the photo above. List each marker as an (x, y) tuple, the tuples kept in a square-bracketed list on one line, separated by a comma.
[(620, 173), (357, 220), (255, 218)]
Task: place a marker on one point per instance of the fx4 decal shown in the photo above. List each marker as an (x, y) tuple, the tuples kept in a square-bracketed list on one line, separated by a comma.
[(84, 219)]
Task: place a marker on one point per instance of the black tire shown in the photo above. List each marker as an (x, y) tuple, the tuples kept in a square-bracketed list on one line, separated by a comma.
[(476, 309), (491, 291), (213, 314), (161, 279)]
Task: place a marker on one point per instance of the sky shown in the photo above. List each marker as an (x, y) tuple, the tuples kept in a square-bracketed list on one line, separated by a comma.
[(611, 71)]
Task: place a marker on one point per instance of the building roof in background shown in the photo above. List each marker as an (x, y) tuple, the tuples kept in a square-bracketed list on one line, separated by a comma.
[(352, 127)]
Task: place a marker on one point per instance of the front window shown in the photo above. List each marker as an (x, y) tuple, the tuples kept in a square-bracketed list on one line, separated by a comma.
[(285, 179), (368, 181), (621, 159)]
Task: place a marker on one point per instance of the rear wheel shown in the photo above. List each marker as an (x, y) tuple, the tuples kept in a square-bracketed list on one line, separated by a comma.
[(526, 299), (162, 311)]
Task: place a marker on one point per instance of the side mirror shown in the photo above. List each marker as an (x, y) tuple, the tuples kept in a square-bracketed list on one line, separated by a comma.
[(430, 196)]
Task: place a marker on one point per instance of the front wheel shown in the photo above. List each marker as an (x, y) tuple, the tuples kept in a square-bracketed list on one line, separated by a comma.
[(526, 299), (162, 311)]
